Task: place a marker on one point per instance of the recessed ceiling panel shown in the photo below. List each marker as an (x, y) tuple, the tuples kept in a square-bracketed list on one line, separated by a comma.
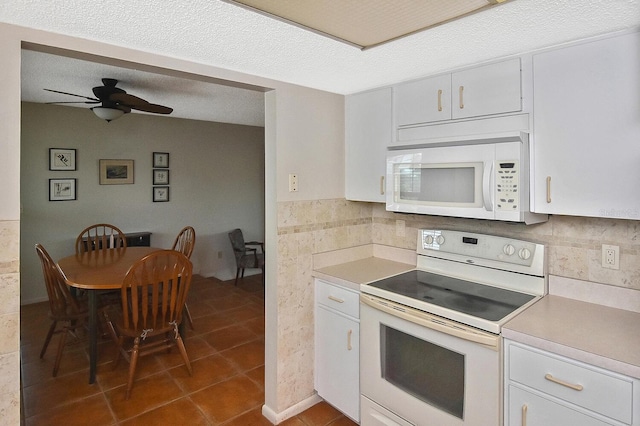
[(366, 23)]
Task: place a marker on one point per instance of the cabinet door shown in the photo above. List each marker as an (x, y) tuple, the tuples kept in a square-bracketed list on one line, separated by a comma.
[(489, 89), (587, 129), (368, 124), (528, 409), (337, 370), (423, 101)]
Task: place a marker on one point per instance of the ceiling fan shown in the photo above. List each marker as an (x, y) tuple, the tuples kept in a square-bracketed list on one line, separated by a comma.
[(115, 101)]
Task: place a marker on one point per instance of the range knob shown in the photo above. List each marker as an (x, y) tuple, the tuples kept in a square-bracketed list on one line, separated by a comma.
[(508, 249), (524, 253), (428, 239), (440, 239)]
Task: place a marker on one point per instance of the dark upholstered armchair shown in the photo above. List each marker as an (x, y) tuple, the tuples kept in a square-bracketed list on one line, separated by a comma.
[(246, 253)]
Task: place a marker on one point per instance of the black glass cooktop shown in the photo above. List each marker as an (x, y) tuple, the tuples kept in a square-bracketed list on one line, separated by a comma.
[(471, 298)]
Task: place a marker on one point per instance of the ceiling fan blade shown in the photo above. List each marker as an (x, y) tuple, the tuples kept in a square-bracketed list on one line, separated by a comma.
[(156, 109), (73, 102), (127, 99), (72, 94), (139, 104)]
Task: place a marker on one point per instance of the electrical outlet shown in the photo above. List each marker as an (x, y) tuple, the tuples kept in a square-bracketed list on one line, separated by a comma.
[(610, 257), (293, 182)]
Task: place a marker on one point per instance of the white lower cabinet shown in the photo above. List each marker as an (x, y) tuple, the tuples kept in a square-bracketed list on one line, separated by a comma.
[(337, 347), (542, 388)]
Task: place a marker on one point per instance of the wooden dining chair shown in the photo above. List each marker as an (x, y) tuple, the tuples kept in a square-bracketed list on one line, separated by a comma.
[(184, 243), (100, 236), (153, 294), (63, 307)]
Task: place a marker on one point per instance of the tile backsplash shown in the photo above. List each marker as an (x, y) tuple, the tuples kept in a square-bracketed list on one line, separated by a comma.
[(308, 227)]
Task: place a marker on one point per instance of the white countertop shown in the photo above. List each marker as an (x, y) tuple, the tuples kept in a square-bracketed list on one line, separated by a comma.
[(599, 335)]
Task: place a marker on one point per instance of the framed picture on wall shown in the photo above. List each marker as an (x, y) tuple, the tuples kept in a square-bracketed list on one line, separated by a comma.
[(62, 189), (62, 159), (160, 194), (116, 172), (160, 177), (161, 160)]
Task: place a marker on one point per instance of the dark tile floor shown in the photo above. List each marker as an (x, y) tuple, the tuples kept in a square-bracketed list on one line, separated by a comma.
[(226, 350)]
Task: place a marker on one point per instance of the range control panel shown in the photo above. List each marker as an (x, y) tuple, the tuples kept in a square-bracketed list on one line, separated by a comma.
[(507, 185), (474, 248)]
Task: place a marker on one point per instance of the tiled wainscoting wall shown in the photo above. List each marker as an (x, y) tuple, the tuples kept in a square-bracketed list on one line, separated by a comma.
[(10, 322), (308, 227)]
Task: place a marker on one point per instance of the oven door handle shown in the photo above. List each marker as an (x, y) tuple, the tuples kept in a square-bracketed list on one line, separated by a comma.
[(433, 322)]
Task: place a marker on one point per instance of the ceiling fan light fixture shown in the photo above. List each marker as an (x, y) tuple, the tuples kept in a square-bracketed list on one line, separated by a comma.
[(107, 114)]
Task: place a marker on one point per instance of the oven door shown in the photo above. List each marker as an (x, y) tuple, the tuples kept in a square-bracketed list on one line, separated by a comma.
[(425, 375)]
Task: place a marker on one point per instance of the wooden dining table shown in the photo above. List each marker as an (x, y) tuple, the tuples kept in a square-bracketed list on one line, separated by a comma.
[(99, 270)]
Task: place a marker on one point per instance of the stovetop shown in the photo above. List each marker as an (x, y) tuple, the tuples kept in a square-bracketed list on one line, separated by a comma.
[(478, 300), (474, 279)]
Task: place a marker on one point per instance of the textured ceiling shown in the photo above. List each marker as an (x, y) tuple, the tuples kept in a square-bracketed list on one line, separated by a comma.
[(220, 34)]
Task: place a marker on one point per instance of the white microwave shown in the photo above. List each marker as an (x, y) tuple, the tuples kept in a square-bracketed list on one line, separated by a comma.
[(483, 178)]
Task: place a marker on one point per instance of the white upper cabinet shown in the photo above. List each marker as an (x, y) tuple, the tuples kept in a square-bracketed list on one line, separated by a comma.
[(368, 132), (485, 90), (586, 128), (423, 101)]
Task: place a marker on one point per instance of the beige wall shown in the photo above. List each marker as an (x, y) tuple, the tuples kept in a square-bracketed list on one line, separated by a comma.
[(216, 181)]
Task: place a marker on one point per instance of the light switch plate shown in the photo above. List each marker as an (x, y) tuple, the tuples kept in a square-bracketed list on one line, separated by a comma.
[(293, 182)]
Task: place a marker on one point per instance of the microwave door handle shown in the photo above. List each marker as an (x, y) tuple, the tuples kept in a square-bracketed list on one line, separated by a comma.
[(487, 185)]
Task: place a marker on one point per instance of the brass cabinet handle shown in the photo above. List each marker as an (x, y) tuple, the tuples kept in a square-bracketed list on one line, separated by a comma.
[(381, 185), (461, 92), (335, 299), (349, 340), (548, 189), (524, 415), (439, 99), (563, 383)]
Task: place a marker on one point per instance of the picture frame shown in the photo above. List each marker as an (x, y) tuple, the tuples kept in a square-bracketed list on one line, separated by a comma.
[(62, 159), (160, 194), (160, 177), (161, 160), (62, 189), (116, 172)]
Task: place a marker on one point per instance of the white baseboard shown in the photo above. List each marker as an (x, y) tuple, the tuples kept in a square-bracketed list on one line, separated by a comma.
[(276, 418)]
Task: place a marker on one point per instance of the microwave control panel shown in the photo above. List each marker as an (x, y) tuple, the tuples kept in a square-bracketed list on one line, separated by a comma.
[(507, 185)]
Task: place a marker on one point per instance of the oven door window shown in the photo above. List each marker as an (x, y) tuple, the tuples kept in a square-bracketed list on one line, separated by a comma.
[(429, 372)]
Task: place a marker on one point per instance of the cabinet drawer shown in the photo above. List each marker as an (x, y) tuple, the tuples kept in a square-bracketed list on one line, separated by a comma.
[(526, 408), (597, 390), (338, 298)]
